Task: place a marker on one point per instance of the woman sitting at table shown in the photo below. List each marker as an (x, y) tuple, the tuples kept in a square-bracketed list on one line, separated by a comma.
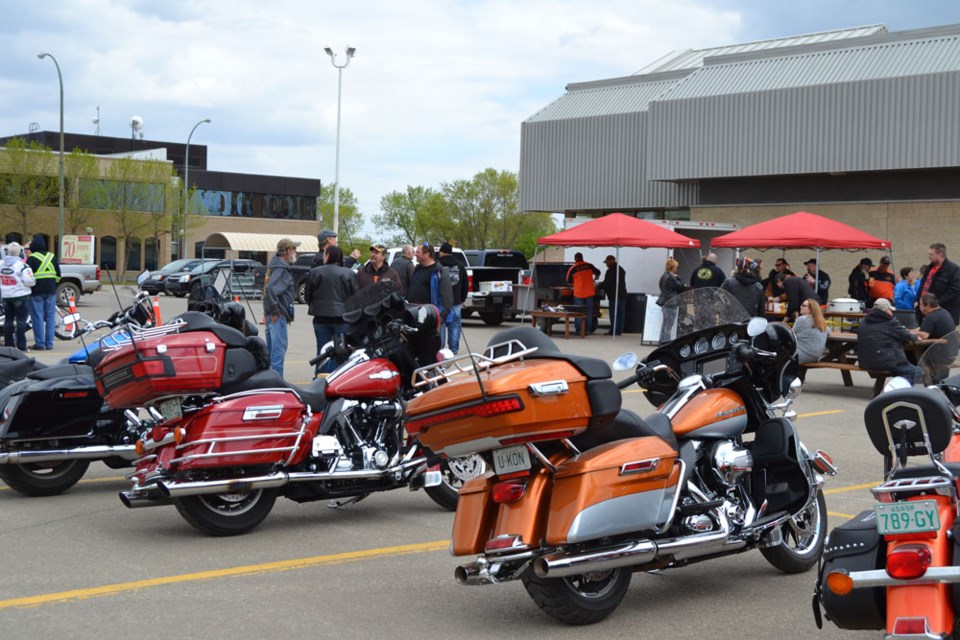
[(811, 331)]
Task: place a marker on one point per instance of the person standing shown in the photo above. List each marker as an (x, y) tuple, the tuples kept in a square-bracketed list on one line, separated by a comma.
[(16, 280), (857, 281), (772, 288), (747, 288), (459, 283), (430, 281), (581, 276), (403, 265), (671, 285), (376, 269), (328, 238), (881, 281), (811, 331), (43, 298), (615, 287), (905, 293), (328, 287), (942, 279), (880, 339), (822, 280), (797, 290), (708, 274), (278, 308)]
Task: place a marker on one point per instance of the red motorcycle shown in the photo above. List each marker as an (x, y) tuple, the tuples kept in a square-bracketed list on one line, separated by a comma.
[(226, 435)]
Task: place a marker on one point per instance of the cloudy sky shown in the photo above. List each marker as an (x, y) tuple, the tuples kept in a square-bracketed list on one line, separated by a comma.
[(436, 92)]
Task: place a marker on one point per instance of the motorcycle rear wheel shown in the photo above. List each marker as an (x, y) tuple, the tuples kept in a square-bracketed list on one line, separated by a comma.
[(579, 600), (227, 514), (39, 479), (803, 538), (455, 472)]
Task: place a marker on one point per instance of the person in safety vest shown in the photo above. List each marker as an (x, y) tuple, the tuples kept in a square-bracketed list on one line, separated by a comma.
[(43, 300)]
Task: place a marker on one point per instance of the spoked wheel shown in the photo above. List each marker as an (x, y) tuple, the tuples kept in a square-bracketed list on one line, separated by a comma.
[(582, 599), (43, 479), (227, 514), (68, 331), (803, 538), (455, 472)]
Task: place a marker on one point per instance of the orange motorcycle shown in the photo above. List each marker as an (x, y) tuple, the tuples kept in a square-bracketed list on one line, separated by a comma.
[(896, 567), (579, 493)]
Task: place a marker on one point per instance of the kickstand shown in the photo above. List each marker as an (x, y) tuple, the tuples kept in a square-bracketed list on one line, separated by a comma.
[(336, 504)]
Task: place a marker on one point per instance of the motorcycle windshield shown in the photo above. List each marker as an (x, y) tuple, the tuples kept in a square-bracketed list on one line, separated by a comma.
[(940, 362), (699, 309)]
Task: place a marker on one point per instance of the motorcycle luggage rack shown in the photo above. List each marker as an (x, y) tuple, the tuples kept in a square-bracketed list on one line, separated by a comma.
[(471, 363), (134, 334), (938, 484)]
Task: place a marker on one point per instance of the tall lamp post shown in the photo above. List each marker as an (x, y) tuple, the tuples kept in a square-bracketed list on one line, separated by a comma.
[(186, 187), (336, 184), (60, 216)]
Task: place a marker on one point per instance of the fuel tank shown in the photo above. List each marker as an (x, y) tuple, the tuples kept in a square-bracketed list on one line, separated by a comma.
[(376, 379), (713, 413)]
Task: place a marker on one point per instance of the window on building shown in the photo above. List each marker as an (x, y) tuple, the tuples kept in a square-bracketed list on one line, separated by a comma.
[(133, 254), (151, 254), (108, 253)]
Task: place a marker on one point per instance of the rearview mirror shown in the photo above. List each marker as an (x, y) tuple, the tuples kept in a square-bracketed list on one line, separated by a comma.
[(625, 362), (756, 326)]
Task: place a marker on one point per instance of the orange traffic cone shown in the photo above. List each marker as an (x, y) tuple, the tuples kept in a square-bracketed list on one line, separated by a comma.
[(156, 311), (72, 310)]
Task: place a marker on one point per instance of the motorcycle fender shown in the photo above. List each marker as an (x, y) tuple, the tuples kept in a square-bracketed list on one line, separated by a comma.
[(527, 516), (932, 601), (475, 517), (623, 486)]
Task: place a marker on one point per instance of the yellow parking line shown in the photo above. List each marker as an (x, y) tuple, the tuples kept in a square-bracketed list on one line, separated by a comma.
[(839, 515), (853, 487), (820, 413), (246, 570)]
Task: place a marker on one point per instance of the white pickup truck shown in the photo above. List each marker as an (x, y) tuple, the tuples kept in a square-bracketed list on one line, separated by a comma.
[(75, 280)]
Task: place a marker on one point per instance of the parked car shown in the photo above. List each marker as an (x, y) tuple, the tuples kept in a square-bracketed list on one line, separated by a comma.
[(247, 280), (493, 272), (155, 283)]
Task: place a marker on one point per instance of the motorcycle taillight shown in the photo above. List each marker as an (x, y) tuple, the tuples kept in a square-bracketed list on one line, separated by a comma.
[(909, 561), (509, 491), (910, 627)]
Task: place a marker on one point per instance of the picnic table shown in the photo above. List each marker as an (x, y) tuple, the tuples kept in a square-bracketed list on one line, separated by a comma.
[(547, 317), (841, 354)]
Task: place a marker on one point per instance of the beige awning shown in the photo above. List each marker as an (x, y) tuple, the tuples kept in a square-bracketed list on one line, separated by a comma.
[(258, 242)]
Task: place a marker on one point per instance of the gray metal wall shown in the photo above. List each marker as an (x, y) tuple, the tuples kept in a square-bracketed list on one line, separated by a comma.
[(885, 124), (591, 163)]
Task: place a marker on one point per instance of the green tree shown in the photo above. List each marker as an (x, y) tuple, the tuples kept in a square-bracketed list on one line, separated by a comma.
[(417, 214), (82, 177), (27, 180), (351, 220)]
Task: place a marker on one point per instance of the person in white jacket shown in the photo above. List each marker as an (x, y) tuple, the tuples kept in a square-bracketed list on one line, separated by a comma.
[(16, 278)]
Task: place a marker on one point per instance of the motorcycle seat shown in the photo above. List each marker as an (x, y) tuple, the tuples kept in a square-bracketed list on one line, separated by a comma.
[(61, 371), (197, 321), (627, 424), (313, 396)]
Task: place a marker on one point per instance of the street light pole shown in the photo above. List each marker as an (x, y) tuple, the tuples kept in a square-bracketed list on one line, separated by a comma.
[(186, 187), (60, 216), (336, 185)]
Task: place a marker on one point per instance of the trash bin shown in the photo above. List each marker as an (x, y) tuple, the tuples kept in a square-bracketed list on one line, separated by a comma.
[(636, 312)]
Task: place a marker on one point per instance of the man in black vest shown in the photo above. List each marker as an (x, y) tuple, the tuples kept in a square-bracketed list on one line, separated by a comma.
[(43, 298)]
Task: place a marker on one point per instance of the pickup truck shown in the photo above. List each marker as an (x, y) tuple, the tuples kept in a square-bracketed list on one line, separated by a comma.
[(75, 280), (492, 274)]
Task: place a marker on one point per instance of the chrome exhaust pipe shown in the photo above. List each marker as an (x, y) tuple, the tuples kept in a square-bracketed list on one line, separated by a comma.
[(95, 452), (139, 499), (172, 489), (559, 565), (469, 574)]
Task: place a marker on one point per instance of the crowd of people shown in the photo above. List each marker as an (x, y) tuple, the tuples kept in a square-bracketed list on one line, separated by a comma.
[(28, 287)]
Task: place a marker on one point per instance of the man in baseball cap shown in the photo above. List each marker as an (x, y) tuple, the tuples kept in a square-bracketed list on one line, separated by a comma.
[(881, 281), (822, 287), (278, 301), (376, 269)]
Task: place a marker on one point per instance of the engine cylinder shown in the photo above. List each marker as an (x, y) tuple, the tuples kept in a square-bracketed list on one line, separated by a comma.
[(730, 462)]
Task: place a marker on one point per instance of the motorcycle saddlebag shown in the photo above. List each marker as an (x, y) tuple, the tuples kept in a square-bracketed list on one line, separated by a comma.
[(855, 546), (619, 487)]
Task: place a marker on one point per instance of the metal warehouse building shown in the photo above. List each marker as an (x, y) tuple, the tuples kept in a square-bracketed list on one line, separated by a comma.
[(860, 125)]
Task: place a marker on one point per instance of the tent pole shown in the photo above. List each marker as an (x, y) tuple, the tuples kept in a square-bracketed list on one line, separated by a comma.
[(533, 282), (616, 296)]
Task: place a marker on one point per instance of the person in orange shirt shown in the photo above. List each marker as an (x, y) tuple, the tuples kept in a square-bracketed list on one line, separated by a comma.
[(581, 275), (881, 282)]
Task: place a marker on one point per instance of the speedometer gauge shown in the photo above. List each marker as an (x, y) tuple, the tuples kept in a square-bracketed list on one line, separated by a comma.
[(719, 341), (733, 339), (700, 347), (685, 351)]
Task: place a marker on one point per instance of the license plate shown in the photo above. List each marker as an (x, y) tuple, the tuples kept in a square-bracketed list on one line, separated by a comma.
[(170, 410), (907, 517), (511, 460)]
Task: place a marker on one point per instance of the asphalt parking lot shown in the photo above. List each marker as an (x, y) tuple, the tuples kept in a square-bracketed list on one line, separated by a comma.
[(81, 565)]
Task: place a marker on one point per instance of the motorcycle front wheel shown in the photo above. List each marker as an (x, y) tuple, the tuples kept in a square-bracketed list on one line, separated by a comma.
[(803, 538), (43, 479), (578, 600), (455, 472), (227, 514)]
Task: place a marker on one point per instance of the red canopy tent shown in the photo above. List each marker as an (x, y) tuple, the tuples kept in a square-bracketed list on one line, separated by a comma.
[(800, 230), (619, 230)]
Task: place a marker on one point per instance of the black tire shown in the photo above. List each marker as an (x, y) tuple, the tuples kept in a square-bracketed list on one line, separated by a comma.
[(583, 599), (803, 538), (494, 319), (227, 514), (455, 472), (43, 479), (64, 291), (302, 290), (180, 294)]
